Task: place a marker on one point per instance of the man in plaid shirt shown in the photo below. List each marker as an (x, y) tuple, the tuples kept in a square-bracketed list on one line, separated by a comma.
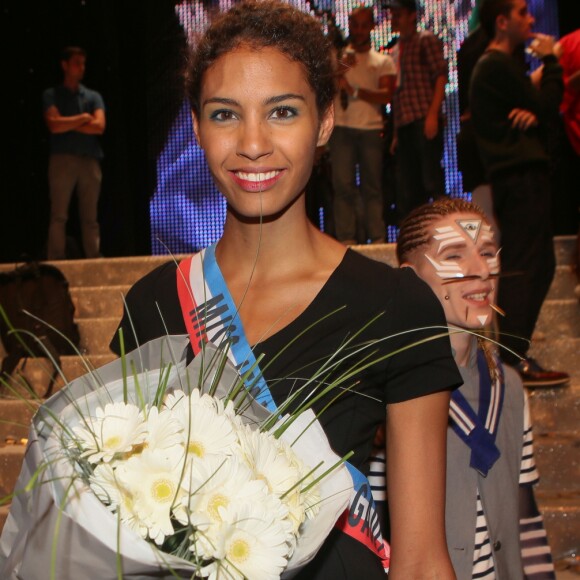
[(421, 79)]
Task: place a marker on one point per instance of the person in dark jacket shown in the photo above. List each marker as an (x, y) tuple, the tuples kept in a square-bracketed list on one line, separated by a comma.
[(508, 113)]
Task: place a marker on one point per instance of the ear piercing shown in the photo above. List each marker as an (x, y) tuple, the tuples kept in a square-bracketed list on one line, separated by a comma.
[(446, 296)]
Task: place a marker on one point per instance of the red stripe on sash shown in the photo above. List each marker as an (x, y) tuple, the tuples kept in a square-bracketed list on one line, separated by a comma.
[(379, 547), (195, 326)]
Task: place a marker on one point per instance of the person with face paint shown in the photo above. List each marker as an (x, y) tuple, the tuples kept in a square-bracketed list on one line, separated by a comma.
[(261, 86), (490, 471)]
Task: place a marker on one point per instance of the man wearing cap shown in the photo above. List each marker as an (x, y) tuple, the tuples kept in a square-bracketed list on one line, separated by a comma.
[(366, 80), (417, 101)]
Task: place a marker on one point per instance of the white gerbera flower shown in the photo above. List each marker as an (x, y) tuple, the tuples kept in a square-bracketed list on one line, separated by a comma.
[(310, 499), (268, 462), (115, 429), (111, 492), (163, 430), (275, 462), (153, 480), (205, 430), (251, 544), (215, 483)]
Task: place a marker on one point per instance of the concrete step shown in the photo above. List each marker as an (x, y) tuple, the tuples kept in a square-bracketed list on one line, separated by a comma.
[(562, 520), (110, 271), (96, 334), (559, 318), (99, 301), (15, 417), (556, 409), (37, 373), (97, 286), (120, 271), (558, 460), (11, 457), (566, 249), (105, 271), (565, 280), (381, 252), (561, 354)]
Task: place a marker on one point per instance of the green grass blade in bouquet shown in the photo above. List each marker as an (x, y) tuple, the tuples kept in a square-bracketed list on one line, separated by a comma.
[(75, 468)]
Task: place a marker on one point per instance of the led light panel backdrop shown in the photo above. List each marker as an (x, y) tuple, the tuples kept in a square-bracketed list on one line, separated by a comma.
[(187, 212)]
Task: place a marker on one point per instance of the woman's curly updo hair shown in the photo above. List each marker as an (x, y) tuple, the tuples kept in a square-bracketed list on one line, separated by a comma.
[(264, 24), (415, 231)]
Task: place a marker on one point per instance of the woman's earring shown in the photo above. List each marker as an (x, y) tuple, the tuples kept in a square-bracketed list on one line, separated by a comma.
[(446, 296)]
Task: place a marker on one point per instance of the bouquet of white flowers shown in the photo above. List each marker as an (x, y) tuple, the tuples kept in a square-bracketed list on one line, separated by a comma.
[(170, 471)]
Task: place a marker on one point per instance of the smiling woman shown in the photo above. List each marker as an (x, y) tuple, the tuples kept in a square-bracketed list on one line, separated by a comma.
[(261, 88), (260, 143)]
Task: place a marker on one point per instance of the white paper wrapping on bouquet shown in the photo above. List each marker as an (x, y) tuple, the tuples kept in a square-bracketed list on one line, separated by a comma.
[(84, 539)]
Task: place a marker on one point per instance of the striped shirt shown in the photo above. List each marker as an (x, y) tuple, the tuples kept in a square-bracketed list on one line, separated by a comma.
[(483, 565), (535, 550)]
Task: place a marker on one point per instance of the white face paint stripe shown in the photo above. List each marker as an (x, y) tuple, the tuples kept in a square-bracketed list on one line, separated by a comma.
[(450, 241), (452, 234), (486, 233), (450, 264), (482, 319), (447, 236), (493, 263), (446, 269)]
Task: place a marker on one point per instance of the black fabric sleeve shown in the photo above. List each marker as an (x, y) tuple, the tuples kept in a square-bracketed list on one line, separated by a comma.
[(551, 86), (511, 78), (467, 56), (425, 365), (151, 310)]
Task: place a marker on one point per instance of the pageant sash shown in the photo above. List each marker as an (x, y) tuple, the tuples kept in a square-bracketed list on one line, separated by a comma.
[(211, 315), (478, 430)]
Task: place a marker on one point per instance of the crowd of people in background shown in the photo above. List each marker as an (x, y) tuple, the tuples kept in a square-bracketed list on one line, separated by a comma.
[(510, 146), (412, 84), (519, 137), (254, 100)]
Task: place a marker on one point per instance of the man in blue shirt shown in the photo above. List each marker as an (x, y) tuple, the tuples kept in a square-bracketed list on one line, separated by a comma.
[(75, 116)]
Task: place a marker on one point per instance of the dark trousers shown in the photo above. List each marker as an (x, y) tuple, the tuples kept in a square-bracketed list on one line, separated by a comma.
[(521, 200), (420, 176)]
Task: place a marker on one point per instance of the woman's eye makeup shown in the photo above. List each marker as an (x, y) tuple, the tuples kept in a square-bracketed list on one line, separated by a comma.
[(222, 115), (283, 113)]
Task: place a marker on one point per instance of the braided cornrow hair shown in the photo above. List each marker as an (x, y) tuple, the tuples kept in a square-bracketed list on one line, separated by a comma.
[(415, 229), (416, 232)]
